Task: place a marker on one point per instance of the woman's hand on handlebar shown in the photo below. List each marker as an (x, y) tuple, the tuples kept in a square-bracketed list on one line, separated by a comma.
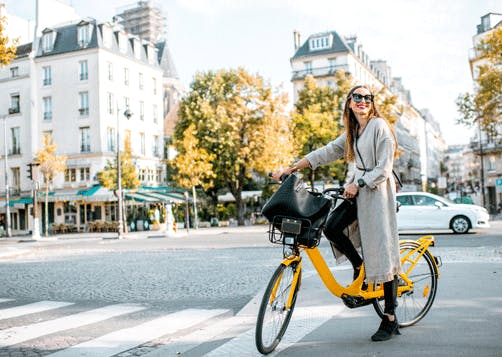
[(351, 190), (277, 174)]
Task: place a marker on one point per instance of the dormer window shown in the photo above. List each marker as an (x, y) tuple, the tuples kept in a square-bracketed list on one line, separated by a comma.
[(84, 33), (122, 42), (48, 38), (321, 42), (107, 36)]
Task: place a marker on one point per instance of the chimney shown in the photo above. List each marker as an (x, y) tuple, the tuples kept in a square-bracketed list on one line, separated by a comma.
[(296, 37)]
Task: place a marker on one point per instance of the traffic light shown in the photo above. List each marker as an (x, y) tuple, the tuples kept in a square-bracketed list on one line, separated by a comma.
[(30, 171)]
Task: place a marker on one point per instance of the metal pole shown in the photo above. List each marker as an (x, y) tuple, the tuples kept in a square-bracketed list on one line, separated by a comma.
[(481, 154), (7, 208), (119, 180), (196, 218)]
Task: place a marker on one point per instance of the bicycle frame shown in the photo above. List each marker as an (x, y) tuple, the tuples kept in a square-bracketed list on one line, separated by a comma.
[(355, 288)]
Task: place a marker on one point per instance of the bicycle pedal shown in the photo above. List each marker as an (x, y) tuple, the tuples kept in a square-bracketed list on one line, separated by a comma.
[(353, 301)]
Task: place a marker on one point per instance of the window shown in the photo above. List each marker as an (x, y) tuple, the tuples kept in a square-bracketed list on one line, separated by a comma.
[(109, 103), (321, 43), (140, 81), (47, 75), (141, 110), (424, 200), (16, 178), (14, 72), (83, 70), (155, 145), (405, 200), (85, 174), (155, 115), (308, 67), (142, 142), (48, 41), (47, 108), (16, 143), (110, 139), (83, 35), (110, 71), (70, 175), (126, 76), (15, 104), (85, 139), (84, 103), (154, 81)]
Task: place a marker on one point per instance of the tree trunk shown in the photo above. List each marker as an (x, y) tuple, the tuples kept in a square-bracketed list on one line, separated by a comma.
[(240, 209)]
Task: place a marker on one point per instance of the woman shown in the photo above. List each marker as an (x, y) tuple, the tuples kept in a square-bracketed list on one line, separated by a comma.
[(369, 144)]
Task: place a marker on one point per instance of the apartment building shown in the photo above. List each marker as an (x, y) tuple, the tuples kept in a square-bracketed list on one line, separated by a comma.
[(74, 83), (323, 54), (488, 148)]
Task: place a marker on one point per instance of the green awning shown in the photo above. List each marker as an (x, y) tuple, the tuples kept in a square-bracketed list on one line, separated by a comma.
[(89, 191), (165, 196), (24, 200), (138, 197)]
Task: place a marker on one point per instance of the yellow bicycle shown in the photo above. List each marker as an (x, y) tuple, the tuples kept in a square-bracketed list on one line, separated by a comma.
[(416, 289)]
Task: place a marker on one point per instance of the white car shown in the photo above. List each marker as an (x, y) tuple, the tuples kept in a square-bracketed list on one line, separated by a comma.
[(423, 210)]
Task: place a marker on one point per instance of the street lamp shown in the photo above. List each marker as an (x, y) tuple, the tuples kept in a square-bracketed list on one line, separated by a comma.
[(7, 208), (128, 115)]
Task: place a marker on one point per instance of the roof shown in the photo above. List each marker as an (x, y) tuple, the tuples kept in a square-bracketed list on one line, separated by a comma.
[(338, 45), (23, 50), (166, 60)]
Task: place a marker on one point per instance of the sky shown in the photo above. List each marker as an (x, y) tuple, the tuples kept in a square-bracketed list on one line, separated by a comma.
[(425, 42)]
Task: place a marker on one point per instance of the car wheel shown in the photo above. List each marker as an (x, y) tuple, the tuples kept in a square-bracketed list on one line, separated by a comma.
[(460, 224)]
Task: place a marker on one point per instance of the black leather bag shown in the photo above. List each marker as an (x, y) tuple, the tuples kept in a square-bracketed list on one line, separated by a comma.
[(293, 200)]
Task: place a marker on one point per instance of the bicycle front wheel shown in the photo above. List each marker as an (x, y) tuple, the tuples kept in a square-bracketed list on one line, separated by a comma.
[(414, 304), (274, 315)]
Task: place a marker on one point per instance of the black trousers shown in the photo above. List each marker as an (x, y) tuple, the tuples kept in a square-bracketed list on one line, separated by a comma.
[(338, 220)]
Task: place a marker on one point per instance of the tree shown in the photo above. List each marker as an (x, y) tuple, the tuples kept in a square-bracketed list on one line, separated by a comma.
[(108, 177), (316, 120), (7, 51), (484, 106), (50, 165), (231, 125)]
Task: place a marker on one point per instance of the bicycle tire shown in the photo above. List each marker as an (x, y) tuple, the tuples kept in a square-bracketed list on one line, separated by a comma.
[(273, 319), (412, 306)]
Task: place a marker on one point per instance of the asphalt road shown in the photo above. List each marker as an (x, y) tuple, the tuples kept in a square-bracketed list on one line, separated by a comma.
[(227, 269)]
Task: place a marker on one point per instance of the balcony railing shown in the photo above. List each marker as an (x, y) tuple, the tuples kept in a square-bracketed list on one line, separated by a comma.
[(14, 110), (47, 81), (492, 146), (15, 151), (319, 71), (47, 115), (83, 111)]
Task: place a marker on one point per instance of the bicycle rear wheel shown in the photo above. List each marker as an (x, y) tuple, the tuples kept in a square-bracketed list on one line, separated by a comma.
[(273, 316), (413, 305)]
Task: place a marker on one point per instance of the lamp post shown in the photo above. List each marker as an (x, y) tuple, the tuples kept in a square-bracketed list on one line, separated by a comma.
[(128, 115), (7, 209)]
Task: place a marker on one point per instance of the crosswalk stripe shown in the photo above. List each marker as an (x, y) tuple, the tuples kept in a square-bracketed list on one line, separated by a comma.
[(208, 333), (304, 321), (123, 340), (31, 308), (14, 335)]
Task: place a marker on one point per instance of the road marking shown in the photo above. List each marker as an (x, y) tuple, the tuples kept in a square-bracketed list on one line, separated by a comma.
[(123, 340), (14, 335), (304, 321), (208, 333), (31, 308)]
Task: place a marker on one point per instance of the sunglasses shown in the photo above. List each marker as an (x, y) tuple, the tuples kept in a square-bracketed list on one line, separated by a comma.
[(358, 98)]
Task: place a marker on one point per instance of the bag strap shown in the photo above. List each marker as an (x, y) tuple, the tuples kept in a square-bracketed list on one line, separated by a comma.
[(364, 166)]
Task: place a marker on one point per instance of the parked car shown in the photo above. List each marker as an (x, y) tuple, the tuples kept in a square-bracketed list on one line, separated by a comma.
[(423, 210)]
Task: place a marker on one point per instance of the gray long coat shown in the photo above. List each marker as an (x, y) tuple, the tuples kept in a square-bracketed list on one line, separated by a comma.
[(376, 202)]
